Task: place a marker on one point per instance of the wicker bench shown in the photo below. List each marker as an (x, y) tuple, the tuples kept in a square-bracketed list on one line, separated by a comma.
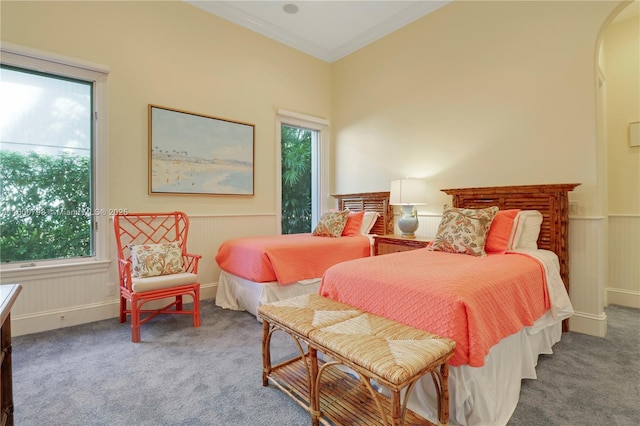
[(379, 351)]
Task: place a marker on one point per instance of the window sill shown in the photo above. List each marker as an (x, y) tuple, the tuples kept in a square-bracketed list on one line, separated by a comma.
[(17, 274)]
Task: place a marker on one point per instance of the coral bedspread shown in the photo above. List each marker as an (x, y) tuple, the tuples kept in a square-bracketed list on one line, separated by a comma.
[(288, 258), (475, 301)]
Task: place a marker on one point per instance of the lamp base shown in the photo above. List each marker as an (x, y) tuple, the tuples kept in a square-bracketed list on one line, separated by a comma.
[(408, 223)]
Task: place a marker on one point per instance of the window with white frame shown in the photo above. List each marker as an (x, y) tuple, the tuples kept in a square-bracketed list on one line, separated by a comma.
[(52, 160), (302, 174)]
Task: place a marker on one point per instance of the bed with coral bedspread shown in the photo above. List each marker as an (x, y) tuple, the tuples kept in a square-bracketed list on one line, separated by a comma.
[(503, 309), (266, 269)]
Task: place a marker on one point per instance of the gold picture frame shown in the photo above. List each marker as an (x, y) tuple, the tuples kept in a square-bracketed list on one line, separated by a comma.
[(197, 154)]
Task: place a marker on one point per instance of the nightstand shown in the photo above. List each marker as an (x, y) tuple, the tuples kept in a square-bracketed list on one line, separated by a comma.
[(384, 244)]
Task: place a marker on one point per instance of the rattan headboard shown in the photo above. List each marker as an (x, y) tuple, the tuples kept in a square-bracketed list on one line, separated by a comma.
[(551, 200), (370, 202)]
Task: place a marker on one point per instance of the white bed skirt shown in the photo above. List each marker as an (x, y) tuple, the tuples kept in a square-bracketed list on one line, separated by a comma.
[(485, 396), (488, 395), (244, 295)]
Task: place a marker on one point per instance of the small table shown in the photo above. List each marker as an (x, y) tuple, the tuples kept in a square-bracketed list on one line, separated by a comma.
[(8, 295), (385, 244)]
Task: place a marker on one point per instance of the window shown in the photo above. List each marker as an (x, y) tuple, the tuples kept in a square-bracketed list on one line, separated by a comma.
[(52, 160), (301, 171)]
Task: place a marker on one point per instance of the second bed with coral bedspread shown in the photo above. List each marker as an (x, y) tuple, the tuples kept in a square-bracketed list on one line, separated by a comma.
[(503, 308)]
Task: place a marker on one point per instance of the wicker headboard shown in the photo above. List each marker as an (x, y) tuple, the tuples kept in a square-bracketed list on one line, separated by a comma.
[(370, 202), (551, 200)]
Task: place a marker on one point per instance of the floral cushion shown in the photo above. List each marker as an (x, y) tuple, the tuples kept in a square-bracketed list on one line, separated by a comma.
[(151, 260), (464, 230), (331, 224)]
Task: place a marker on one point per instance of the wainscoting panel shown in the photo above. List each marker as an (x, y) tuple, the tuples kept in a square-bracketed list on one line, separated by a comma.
[(587, 251), (623, 287), (60, 297)]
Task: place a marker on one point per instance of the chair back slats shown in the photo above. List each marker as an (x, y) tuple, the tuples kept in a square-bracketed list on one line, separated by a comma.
[(150, 228)]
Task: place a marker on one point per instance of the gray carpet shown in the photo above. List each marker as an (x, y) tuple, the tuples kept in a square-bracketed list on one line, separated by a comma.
[(179, 375)]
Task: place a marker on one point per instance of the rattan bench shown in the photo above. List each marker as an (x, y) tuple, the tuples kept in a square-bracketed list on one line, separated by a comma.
[(379, 351)]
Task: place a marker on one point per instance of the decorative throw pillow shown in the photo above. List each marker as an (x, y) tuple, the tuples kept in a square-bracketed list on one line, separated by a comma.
[(464, 230), (151, 260), (354, 223), (331, 224), (501, 231)]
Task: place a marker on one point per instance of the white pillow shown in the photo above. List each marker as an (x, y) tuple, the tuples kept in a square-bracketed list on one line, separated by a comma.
[(526, 230), (368, 221)]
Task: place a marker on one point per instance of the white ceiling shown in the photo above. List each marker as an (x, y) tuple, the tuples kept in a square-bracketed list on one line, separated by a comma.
[(329, 29)]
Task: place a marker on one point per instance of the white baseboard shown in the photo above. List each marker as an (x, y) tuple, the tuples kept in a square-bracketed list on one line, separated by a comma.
[(616, 296), (51, 320), (593, 325)]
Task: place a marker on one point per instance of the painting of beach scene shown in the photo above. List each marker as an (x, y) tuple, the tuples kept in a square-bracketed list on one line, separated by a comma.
[(191, 153)]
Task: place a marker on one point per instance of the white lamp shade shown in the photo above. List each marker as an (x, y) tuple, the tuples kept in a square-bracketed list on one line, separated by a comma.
[(412, 192)]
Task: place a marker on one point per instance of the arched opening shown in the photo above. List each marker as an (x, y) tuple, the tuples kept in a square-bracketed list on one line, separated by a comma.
[(618, 103)]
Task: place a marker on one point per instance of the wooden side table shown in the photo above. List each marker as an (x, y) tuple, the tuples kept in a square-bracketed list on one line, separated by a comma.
[(385, 244), (8, 295)]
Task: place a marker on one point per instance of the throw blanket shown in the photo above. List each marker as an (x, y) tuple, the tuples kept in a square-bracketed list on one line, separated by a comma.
[(288, 258), (476, 301)]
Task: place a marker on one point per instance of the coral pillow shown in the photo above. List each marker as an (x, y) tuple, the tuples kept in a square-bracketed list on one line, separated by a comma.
[(354, 222), (500, 231)]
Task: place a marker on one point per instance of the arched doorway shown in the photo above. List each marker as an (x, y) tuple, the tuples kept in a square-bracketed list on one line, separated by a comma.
[(618, 103)]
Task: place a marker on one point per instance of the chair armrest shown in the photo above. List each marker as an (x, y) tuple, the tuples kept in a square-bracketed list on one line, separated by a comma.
[(191, 262), (124, 273)]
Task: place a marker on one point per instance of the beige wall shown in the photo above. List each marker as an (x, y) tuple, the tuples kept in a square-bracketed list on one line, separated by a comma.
[(621, 51), (474, 94), (173, 54)]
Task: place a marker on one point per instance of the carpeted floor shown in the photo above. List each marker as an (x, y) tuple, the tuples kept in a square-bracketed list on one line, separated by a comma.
[(179, 375)]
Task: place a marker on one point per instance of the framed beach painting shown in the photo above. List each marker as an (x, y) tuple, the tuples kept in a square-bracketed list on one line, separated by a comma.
[(195, 154)]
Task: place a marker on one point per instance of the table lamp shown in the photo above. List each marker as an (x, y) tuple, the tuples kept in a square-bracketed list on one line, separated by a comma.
[(408, 193)]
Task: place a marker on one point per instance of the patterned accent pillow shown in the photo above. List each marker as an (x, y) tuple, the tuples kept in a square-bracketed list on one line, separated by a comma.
[(331, 224), (151, 260), (464, 230)]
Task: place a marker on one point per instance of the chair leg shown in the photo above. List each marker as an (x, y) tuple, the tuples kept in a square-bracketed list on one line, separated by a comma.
[(179, 303), (196, 308), (135, 321), (123, 308)]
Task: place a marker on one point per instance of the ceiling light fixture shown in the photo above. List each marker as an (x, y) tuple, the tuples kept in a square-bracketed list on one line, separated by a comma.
[(290, 8)]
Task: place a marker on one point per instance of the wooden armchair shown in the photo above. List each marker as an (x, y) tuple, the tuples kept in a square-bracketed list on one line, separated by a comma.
[(153, 264)]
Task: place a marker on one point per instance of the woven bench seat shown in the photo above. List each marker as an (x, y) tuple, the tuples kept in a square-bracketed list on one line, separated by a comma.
[(374, 348)]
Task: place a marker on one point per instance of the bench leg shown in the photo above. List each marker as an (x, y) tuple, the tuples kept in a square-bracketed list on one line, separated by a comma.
[(266, 352), (443, 415), (314, 388), (396, 410)]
